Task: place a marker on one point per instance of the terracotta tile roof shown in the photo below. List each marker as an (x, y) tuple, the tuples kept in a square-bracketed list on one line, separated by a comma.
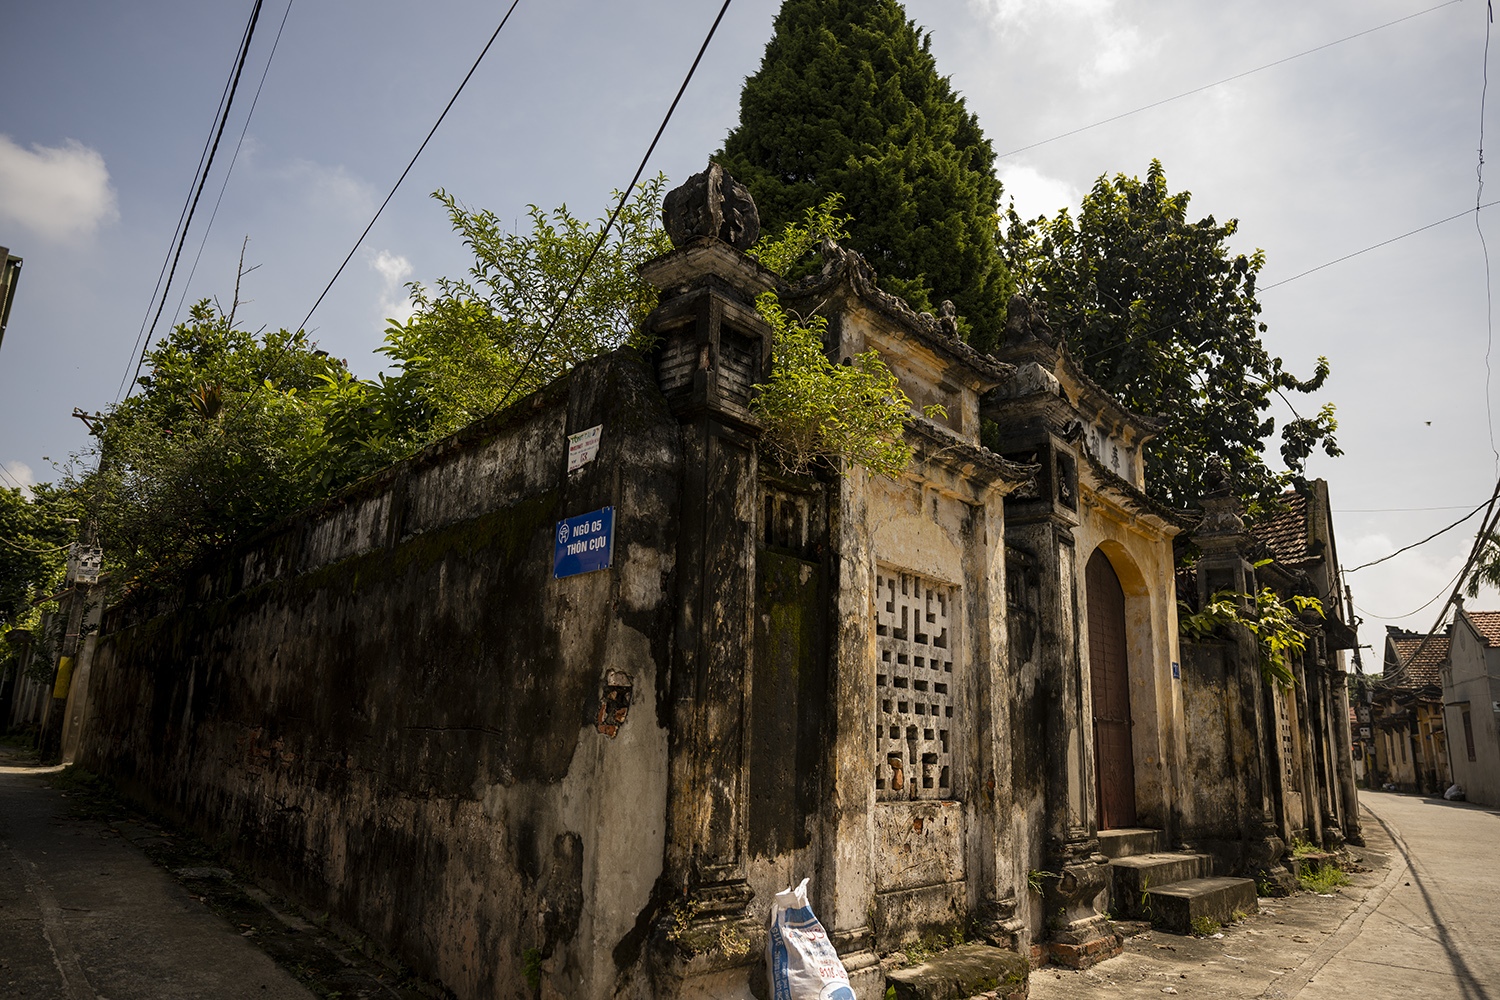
[(1286, 533), (1424, 670), (1487, 624)]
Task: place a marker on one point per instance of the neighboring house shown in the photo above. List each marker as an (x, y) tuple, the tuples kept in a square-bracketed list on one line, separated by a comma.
[(1411, 751), (1471, 703), (1304, 554)]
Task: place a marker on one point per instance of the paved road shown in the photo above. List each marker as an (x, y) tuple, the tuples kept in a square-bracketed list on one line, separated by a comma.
[(1432, 934), (85, 916)]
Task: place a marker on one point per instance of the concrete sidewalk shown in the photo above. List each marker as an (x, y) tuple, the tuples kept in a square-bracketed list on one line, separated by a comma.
[(1415, 924), (84, 915)]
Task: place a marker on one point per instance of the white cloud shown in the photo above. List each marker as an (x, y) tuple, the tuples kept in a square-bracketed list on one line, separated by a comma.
[(60, 193), (17, 474), (1098, 42), (1035, 193), (394, 303), (331, 187)]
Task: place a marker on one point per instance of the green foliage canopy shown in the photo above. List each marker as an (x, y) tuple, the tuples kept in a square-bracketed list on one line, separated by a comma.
[(848, 100), (34, 537), (1161, 313), (225, 437)]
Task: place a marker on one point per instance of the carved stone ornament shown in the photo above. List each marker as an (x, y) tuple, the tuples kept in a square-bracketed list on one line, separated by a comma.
[(711, 204), (1221, 508), (1026, 321)]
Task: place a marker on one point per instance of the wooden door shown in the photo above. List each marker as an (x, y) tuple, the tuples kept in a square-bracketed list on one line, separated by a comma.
[(1109, 672)]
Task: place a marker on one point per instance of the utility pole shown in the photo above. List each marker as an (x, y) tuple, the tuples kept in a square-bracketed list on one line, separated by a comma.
[(10, 276), (85, 562)]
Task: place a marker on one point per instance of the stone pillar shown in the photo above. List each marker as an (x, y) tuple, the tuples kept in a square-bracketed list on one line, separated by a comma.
[(1344, 743), (712, 347), (1224, 565)]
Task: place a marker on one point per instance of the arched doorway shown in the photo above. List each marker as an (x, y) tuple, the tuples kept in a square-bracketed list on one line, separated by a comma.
[(1109, 673)]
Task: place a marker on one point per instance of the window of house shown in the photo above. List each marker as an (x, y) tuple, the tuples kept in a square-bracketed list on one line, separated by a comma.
[(1469, 734), (916, 670)]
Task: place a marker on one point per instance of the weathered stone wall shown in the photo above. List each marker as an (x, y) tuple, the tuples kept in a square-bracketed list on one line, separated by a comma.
[(1213, 811), (390, 706)]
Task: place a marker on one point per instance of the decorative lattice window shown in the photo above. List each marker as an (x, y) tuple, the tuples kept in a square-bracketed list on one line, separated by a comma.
[(1287, 725), (916, 623)]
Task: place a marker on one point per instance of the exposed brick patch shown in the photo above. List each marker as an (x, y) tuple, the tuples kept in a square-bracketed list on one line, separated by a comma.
[(1088, 954)]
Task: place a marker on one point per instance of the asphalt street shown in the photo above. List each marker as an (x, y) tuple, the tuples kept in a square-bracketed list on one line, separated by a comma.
[(1432, 934)]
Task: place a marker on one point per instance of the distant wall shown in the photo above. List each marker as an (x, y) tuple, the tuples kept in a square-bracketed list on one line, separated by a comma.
[(390, 706)]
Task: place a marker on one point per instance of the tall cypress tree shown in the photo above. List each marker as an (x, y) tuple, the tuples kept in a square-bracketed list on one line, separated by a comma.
[(848, 99)]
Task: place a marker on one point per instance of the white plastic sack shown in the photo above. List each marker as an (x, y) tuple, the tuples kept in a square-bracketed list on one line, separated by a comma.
[(800, 959)]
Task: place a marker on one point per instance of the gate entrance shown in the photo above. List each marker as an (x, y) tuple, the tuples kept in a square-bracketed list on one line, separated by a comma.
[(1109, 672)]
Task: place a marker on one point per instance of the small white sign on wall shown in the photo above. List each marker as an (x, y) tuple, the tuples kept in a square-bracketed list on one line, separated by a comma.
[(583, 446)]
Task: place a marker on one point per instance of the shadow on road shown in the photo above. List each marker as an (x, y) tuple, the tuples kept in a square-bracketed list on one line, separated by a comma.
[(1469, 985)]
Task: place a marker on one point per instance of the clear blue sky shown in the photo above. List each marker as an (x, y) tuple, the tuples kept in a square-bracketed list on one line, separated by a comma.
[(107, 107)]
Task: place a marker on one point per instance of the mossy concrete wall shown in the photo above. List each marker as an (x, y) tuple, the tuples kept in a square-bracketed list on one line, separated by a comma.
[(392, 709)]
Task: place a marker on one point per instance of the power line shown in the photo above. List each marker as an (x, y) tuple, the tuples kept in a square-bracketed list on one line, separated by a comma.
[(1489, 296), (1486, 530), (230, 169), (202, 180), (1396, 510), (177, 230), (1424, 541), (1382, 243), (624, 195), (1227, 79), (1409, 614), (413, 162)]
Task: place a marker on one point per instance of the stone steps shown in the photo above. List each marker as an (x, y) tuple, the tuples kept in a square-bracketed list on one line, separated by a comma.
[(1175, 907), (1130, 841), (1170, 888), (966, 971), (1134, 875)]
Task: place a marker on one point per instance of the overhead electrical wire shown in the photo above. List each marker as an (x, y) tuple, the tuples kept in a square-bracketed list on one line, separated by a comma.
[(1486, 529), (1396, 510), (1409, 614), (188, 284), (1489, 294), (1382, 243), (1424, 541), (1227, 79), (604, 234), (186, 201), (392, 192), (239, 68)]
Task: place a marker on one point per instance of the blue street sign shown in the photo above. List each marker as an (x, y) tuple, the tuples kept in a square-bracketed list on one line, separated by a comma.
[(1176, 671), (584, 543)]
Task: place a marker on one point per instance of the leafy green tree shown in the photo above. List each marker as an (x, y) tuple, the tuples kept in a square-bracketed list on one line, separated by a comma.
[(225, 437), (848, 100), (34, 536), (519, 282), (1486, 571), (233, 431), (1161, 313), (815, 409)]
